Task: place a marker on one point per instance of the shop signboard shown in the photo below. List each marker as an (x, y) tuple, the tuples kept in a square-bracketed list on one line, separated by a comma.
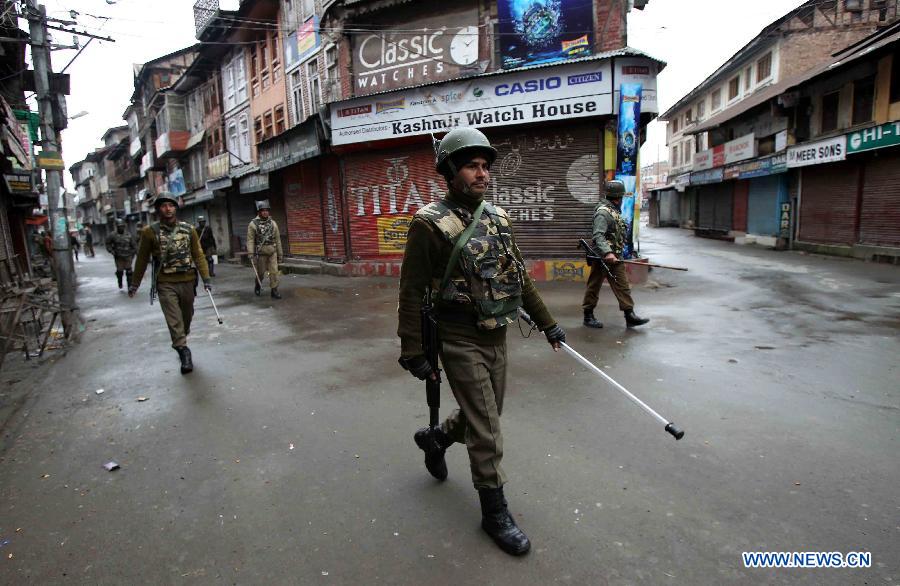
[(254, 183), (542, 32), (572, 91), (763, 167), (714, 157), (815, 153), (709, 176), (740, 149), (299, 143), (430, 48), (874, 138)]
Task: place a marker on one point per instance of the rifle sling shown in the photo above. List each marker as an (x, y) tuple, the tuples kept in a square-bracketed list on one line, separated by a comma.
[(460, 242)]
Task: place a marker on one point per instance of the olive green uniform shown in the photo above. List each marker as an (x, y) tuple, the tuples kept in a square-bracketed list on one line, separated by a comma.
[(178, 255), (123, 248), (609, 236), (473, 352), (264, 244)]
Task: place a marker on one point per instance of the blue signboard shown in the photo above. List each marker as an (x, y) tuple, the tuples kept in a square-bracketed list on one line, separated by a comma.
[(627, 144), (541, 31)]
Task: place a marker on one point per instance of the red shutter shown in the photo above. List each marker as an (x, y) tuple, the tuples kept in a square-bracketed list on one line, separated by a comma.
[(880, 214), (333, 206), (304, 211), (828, 203)]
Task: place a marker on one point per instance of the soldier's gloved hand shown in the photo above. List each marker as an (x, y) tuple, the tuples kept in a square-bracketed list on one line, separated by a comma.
[(418, 366), (207, 285), (555, 335)]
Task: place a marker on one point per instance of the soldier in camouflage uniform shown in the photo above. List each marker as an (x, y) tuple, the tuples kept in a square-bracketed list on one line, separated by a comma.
[(207, 243), (264, 247), (609, 240), (477, 294), (123, 247), (175, 249)]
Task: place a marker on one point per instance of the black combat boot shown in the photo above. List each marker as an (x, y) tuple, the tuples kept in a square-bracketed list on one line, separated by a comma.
[(119, 278), (128, 275), (590, 321), (499, 524), (275, 293), (632, 319), (187, 365), (434, 444), (256, 288)]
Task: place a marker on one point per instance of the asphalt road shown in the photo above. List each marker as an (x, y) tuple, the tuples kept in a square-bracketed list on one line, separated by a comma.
[(287, 457)]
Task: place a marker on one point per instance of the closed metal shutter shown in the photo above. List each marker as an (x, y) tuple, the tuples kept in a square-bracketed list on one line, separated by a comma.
[(739, 213), (828, 203), (303, 204), (243, 209), (880, 214), (762, 211), (714, 207), (333, 209)]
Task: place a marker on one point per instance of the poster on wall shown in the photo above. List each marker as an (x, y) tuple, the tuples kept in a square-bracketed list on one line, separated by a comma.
[(301, 43), (628, 143), (543, 31)]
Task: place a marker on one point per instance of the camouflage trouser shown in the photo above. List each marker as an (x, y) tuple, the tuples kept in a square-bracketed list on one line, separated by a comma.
[(621, 287), (123, 263), (477, 376), (177, 303), (267, 263)]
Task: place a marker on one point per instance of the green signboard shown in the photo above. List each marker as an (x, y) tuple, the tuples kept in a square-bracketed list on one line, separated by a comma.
[(874, 138)]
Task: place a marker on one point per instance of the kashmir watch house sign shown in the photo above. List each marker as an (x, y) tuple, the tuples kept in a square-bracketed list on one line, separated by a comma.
[(422, 51)]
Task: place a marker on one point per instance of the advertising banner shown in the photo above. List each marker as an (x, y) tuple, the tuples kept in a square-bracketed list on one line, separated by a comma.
[(814, 153), (176, 182), (301, 43), (573, 91), (628, 143), (542, 31), (423, 50), (709, 176), (874, 138)]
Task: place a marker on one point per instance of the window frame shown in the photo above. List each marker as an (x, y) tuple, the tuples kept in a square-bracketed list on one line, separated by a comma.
[(869, 81), (735, 84), (767, 58), (836, 110), (714, 97)]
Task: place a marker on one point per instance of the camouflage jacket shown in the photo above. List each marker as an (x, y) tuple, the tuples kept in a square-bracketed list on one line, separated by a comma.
[(177, 250), (121, 244), (424, 263), (207, 241), (609, 228), (263, 233)]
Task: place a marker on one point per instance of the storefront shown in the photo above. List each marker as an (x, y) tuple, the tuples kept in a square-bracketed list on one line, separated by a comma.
[(829, 187), (548, 125), (879, 218)]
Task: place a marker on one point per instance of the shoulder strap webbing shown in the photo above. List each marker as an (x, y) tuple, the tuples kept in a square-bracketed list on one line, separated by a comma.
[(460, 242)]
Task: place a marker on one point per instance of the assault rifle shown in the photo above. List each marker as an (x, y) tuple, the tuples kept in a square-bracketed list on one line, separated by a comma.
[(154, 271), (593, 256), (431, 345)]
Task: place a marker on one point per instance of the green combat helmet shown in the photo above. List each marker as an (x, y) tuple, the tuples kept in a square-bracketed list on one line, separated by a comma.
[(163, 196), (615, 189), (120, 222), (455, 142), (263, 204)]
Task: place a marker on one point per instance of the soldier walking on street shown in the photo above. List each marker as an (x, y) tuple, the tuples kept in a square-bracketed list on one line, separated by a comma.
[(175, 249), (464, 249), (264, 247), (609, 232), (88, 242), (207, 243), (121, 244)]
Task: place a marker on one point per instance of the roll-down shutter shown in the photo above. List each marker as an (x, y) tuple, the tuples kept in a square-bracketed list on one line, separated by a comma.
[(880, 214), (828, 203)]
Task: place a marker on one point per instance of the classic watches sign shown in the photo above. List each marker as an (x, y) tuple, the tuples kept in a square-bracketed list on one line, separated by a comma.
[(421, 50)]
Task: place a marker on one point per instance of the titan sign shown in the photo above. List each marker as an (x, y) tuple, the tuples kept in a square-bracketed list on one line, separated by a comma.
[(572, 90), (420, 51)]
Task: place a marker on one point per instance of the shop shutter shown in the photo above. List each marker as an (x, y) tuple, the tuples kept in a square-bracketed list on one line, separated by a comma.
[(333, 209), (880, 214), (762, 209), (739, 213), (714, 207), (243, 209), (303, 204), (828, 203)]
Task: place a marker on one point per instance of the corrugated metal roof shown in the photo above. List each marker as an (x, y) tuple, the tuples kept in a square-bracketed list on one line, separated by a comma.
[(623, 52)]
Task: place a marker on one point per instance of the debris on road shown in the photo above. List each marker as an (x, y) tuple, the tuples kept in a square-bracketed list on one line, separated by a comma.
[(110, 466), (141, 399), (99, 391)]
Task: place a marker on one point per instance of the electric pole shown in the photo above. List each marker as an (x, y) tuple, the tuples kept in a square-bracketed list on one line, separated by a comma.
[(65, 267)]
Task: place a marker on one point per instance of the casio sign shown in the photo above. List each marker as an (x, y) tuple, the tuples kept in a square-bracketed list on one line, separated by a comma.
[(533, 85)]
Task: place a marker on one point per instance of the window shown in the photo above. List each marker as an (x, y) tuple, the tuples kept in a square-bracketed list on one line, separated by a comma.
[(863, 99), (689, 116), (764, 68), (734, 87), (268, 125), (240, 78), (263, 52), (701, 110), (830, 104), (675, 124), (244, 128), (332, 82), (675, 161), (279, 119), (315, 92), (233, 143), (254, 69), (309, 8), (297, 97), (229, 85), (275, 57), (258, 129), (716, 100), (747, 79)]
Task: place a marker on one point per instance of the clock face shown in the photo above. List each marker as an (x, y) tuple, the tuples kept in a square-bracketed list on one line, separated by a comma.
[(583, 179), (464, 46)]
